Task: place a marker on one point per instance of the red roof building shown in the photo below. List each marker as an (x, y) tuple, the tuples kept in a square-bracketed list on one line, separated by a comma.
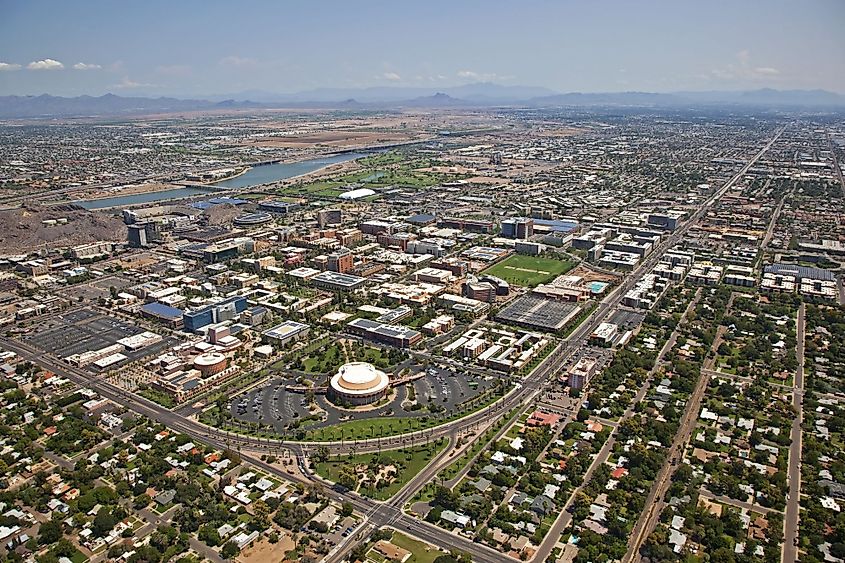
[(540, 418)]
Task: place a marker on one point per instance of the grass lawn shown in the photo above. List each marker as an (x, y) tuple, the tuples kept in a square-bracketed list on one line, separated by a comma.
[(369, 428), (324, 361), (381, 159), (421, 552), (375, 356), (78, 557), (414, 459), (529, 270), (387, 426), (158, 397)]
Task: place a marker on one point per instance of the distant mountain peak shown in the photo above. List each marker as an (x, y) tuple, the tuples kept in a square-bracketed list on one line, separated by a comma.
[(474, 95)]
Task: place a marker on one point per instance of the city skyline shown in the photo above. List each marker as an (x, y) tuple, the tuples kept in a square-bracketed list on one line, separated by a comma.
[(205, 49)]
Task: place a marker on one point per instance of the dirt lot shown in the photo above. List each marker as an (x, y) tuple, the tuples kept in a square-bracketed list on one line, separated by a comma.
[(592, 275), (266, 551), (123, 190), (344, 139)]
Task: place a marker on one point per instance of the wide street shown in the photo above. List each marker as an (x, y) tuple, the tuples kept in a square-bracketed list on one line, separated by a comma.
[(390, 513), (791, 518)]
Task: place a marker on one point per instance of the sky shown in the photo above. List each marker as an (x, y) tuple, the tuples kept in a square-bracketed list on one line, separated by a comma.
[(203, 48)]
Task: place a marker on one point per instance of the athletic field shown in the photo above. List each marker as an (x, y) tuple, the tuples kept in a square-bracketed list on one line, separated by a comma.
[(528, 270)]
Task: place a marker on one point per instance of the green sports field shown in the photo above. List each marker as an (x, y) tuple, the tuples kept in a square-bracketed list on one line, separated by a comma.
[(528, 270)]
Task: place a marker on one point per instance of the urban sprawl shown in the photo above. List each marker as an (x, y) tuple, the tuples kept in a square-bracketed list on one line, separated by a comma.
[(493, 335)]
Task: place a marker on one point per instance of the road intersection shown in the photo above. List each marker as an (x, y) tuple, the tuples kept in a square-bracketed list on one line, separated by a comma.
[(378, 514)]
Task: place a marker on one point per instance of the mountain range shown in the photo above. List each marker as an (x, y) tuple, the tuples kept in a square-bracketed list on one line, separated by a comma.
[(480, 94)]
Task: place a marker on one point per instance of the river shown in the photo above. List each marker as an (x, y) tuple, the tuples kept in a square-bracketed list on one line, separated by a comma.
[(252, 177)]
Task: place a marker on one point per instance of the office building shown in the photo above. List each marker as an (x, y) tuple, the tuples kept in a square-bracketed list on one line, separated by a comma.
[(329, 217), (93, 250), (394, 335), (136, 236), (225, 310), (283, 334), (277, 207), (668, 220), (518, 228), (468, 225), (335, 281), (376, 227), (162, 313), (341, 261)]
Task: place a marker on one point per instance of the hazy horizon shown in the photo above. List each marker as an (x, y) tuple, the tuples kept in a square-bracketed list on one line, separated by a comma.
[(203, 49)]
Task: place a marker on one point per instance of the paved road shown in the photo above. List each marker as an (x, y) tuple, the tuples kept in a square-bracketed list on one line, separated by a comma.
[(386, 514), (751, 507), (770, 230), (563, 520), (836, 168), (790, 521), (650, 515)]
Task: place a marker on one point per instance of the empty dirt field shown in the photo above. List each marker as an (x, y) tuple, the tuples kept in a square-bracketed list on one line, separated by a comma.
[(346, 139)]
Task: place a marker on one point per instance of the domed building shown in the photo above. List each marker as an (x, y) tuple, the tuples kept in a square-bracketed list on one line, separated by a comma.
[(357, 384), (210, 363)]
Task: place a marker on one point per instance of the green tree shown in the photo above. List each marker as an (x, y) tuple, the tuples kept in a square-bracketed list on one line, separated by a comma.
[(50, 532), (209, 536), (230, 550)]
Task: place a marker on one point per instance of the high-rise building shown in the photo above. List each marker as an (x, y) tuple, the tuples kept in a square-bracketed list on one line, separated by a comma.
[(518, 228), (137, 236), (329, 217), (141, 234), (225, 310), (341, 261)]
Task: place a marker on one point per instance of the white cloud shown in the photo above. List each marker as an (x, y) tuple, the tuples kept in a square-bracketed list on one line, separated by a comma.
[(129, 84), (392, 76), (240, 62), (766, 71), (9, 66), (482, 76), (742, 69), (45, 64), (174, 70), (86, 66)]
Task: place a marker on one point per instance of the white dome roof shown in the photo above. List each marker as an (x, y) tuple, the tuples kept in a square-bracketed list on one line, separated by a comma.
[(359, 378)]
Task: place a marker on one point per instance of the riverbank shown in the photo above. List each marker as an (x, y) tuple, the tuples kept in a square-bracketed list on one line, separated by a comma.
[(250, 177)]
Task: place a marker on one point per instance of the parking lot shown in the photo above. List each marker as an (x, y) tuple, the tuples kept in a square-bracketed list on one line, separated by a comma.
[(627, 319), (273, 404), (84, 330)]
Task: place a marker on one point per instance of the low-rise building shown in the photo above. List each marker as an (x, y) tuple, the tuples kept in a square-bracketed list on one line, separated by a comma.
[(283, 334)]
